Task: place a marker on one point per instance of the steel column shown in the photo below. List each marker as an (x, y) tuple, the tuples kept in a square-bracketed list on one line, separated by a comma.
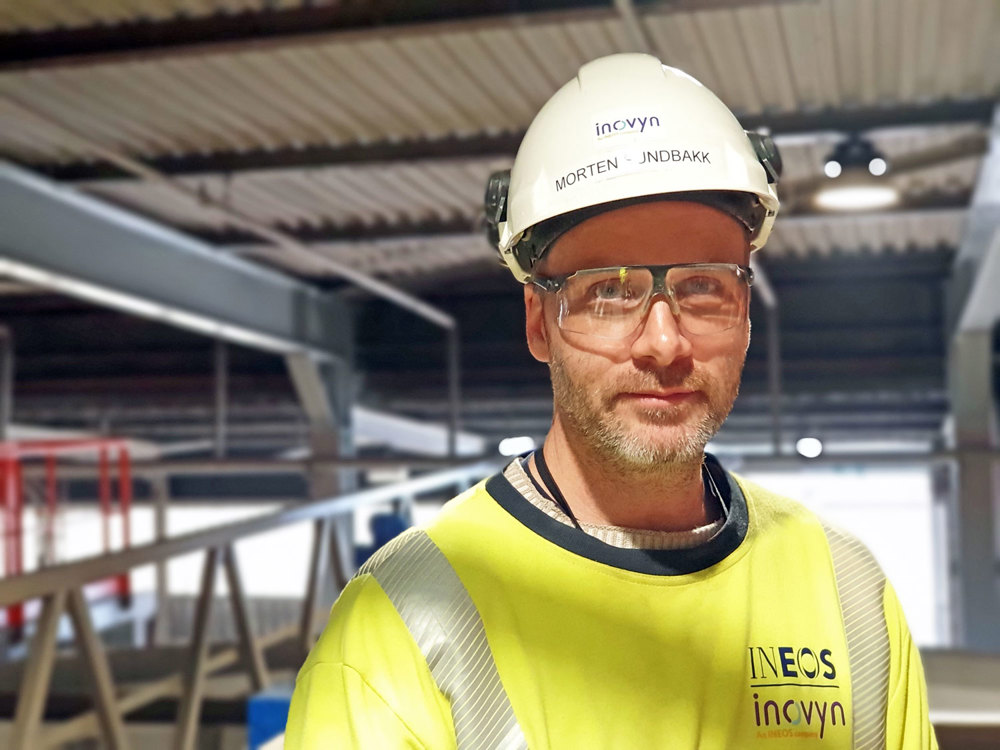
[(454, 390), (6, 381), (221, 396), (975, 515), (253, 658), (194, 682), (314, 585), (26, 734), (340, 569), (160, 487), (976, 508), (765, 293), (105, 702)]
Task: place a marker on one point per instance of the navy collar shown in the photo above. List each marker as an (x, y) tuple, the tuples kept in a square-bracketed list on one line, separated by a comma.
[(651, 561)]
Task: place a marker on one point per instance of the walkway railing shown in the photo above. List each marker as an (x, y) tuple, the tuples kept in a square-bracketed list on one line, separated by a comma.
[(60, 589)]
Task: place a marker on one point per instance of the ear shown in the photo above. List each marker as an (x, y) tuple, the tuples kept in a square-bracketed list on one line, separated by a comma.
[(534, 324)]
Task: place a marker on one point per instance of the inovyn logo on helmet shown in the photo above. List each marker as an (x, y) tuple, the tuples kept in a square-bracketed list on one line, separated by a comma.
[(625, 125)]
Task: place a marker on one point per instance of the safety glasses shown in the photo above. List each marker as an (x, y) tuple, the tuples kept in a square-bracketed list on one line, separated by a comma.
[(611, 303)]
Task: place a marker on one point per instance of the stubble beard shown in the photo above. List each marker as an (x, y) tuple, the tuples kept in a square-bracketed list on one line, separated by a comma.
[(665, 440)]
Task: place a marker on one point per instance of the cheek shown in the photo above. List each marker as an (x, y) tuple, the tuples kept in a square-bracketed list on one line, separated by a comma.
[(724, 348)]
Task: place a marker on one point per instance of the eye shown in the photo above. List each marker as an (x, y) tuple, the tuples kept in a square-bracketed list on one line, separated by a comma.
[(694, 286), (610, 289)]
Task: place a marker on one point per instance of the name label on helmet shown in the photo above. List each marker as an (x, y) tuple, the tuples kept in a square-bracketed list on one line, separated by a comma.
[(626, 161), (600, 167), (674, 154)]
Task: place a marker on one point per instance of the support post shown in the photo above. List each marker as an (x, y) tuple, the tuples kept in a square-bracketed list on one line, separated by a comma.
[(766, 294), (314, 586), (194, 680), (340, 568), (26, 734), (221, 396), (105, 702), (774, 376), (253, 658), (976, 510), (6, 381), (160, 486), (454, 390)]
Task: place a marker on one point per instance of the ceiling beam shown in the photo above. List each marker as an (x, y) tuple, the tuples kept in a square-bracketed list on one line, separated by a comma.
[(142, 38), (457, 226), (504, 145), (59, 238)]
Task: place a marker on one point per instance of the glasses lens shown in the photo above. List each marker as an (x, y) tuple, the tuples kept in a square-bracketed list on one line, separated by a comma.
[(709, 298), (611, 302), (605, 302)]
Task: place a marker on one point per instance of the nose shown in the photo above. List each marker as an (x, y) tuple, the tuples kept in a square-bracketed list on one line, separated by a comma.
[(660, 339)]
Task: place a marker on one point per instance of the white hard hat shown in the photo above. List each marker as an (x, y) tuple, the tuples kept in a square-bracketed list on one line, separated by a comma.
[(625, 129)]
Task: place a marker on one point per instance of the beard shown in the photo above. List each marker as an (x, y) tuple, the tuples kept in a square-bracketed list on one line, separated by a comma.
[(647, 441)]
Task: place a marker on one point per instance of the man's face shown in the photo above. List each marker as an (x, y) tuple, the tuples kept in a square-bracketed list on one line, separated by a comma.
[(657, 396)]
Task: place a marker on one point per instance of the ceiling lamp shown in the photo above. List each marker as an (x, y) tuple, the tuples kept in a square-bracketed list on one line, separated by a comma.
[(854, 168)]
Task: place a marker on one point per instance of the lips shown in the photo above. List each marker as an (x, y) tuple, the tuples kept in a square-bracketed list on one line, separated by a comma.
[(658, 398)]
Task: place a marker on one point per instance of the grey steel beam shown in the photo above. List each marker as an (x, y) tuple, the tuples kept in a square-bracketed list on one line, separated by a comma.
[(330, 238), (975, 511), (57, 577), (73, 238), (504, 146)]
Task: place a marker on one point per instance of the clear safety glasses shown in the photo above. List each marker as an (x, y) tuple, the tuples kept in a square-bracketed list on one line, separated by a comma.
[(611, 303)]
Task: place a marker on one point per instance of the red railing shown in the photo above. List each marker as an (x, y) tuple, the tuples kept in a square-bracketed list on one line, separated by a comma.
[(13, 455)]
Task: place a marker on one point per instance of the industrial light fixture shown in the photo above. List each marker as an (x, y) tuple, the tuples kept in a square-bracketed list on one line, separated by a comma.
[(135, 305), (515, 446), (854, 168), (809, 447)]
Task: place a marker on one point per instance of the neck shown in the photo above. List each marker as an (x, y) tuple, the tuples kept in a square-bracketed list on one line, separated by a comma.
[(671, 498)]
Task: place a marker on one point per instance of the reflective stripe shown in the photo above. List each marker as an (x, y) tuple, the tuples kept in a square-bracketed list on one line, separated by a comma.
[(440, 615), (861, 584)]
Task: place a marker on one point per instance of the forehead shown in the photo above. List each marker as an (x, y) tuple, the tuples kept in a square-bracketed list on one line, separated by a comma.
[(652, 233)]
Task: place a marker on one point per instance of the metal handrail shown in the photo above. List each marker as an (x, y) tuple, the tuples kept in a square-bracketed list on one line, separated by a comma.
[(78, 572)]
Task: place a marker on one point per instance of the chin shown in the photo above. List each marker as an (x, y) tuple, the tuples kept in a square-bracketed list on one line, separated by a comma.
[(655, 446)]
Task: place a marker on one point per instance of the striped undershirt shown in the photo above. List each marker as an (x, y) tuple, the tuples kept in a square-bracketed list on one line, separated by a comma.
[(616, 536)]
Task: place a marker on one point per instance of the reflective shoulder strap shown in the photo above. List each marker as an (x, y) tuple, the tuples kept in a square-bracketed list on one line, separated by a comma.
[(861, 584), (440, 615)]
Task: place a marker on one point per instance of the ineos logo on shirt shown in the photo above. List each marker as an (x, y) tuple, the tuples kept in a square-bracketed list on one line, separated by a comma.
[(789, 662), (794, 692)]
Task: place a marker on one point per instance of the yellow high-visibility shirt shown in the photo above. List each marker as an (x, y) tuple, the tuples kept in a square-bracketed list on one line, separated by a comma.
[(738, 643)]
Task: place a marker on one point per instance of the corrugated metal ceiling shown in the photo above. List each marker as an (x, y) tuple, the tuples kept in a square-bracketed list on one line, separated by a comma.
[(39, 15), (479, 78)]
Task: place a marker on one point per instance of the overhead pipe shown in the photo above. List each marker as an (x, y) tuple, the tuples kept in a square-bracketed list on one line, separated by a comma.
[(634, 26)]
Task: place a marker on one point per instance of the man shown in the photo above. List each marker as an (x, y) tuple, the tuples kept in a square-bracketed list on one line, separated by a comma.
[(618, 588)]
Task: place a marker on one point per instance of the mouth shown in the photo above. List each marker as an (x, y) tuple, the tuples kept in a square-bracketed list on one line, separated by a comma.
[(654, 399)]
